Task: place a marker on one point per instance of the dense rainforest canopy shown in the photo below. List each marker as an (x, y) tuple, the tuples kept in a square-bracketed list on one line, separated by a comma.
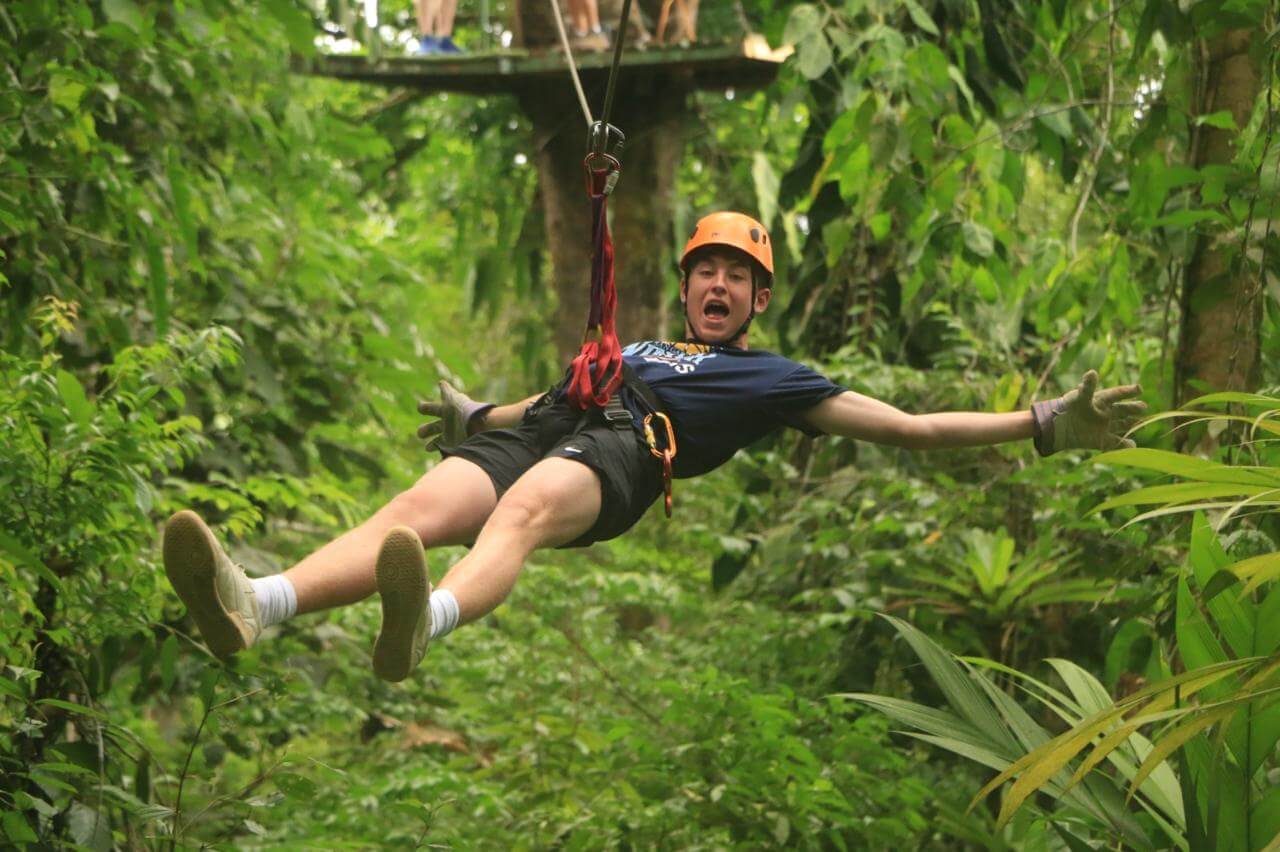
[(224, 284)]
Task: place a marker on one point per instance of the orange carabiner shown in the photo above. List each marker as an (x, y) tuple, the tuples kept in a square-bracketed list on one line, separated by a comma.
[(665, 455)]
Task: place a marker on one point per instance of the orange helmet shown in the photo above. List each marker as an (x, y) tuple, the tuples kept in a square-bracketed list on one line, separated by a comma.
[(734, 230)]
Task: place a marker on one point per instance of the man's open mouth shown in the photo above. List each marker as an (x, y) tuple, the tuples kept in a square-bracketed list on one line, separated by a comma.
[(715, 309)]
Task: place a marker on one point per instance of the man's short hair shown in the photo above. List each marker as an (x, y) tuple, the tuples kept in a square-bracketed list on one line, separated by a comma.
[(760, 277)]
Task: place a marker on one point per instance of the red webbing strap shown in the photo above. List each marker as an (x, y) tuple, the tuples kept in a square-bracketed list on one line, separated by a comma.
[(597, 370)]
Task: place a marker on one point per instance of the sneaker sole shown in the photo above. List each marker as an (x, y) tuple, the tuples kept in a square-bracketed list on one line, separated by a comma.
[(191, 566), (401, 574)]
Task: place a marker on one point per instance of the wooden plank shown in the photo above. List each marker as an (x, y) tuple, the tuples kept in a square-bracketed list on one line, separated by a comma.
[(741, 65)]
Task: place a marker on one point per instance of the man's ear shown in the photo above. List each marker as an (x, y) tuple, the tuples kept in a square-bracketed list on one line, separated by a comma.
[(684, 290), (762, 299)]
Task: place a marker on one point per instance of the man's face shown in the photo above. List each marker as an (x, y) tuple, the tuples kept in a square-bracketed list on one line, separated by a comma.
[(718, 297)]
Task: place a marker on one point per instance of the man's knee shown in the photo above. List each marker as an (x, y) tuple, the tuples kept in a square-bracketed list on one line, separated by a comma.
[(521, 513), (431, 514)]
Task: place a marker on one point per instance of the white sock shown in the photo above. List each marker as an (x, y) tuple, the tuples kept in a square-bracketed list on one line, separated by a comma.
[(444, 612), (277, 599)]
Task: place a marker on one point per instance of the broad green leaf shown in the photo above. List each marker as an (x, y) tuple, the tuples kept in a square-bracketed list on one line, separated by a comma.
[(919, 716), (1089, 694), (66, 92), (62, 768), (1197, 645), (16, 828), (1176, 510), (1268, 635), (813, 56), (1265, 820), (1035, 768), (73, 397), (70, 706), (1221, 119), (1028, 733), (1256, 570), (804, 21), (920, 17), (1008, 391), (766, 185), (963, 696), (978, 239), (957, 77), (1188, 218), (1180, 492), (880, 225), (295, 786), (1233, 616), (1262, 736), (1173, 740), (1107, 747), (123, 12), (976, 753), (90, 827), (16, 551), (1190, 467), (1235, 397), (297, 25), (1190, 417), (1058, 119), (1059, 702)]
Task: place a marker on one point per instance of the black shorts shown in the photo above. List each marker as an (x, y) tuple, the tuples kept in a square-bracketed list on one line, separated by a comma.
[(629, 476)]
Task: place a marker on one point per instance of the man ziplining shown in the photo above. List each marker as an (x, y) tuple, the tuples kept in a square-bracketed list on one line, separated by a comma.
[(543, 472)]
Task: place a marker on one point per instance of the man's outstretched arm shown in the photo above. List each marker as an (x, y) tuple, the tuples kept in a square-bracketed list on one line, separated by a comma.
[(1084, 418), (461, 416), (853, 415), (502, 416)]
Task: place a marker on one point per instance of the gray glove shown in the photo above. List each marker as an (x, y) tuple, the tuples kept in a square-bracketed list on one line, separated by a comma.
[(459, 416), (1084, 419)]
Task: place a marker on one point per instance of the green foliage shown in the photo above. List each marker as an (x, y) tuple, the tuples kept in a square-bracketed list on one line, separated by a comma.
[(986, 725), (974, 204), (1219, 715), (80, 470)]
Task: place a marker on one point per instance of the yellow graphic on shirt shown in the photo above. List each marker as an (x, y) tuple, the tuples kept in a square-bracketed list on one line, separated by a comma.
[(688, 347)]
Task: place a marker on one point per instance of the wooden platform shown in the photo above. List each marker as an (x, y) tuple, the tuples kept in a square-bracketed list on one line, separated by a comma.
[(743, 65)]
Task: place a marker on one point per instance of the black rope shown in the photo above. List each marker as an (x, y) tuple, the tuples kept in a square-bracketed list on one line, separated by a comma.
[(617, 60)]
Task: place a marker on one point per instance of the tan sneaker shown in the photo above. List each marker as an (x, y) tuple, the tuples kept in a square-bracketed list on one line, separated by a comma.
[(216, 591), (589, 41), (401, 574)]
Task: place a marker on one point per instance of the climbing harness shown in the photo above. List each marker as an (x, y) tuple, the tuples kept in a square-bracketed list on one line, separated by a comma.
[(598, 369)]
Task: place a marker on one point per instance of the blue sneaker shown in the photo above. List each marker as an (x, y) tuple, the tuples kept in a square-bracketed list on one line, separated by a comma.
[(447, 46), (427, 45)]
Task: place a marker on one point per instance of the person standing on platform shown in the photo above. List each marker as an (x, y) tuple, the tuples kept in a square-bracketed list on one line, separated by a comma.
[(435, 26), (584, 15)]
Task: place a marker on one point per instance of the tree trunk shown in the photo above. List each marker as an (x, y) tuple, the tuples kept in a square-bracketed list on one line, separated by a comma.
[(1221, 305), (651, 113)]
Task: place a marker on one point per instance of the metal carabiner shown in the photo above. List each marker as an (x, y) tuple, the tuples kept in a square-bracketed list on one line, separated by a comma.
[(666, 455), (604, 144), (604, 138)]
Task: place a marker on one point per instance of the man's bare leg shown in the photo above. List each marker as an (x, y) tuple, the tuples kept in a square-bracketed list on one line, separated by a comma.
[(448, 505), (553, 503)]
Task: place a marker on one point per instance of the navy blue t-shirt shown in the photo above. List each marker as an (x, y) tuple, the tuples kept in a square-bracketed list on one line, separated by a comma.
[(722, 399)]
